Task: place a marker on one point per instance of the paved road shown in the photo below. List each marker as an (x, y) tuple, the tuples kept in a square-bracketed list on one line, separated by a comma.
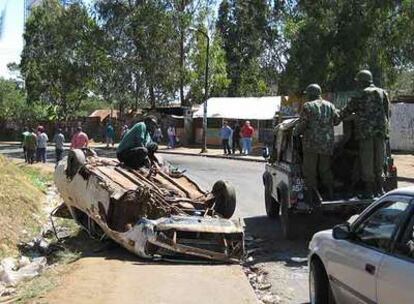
[(288, 281)]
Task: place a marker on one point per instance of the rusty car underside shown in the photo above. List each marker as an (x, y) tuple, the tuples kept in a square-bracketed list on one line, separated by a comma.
[(152, 212)]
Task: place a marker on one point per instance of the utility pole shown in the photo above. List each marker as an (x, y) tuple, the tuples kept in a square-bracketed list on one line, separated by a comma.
[(204, 138)]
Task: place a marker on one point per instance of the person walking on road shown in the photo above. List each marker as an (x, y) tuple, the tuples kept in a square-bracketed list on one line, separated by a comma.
[(59, 140), (137, 148), (24, 134), (225, 134), (247, 134), (171, 137), (31, 146), (42, 140), (79, 139), (236, 139), (372, 112), (110, 135), (316, 126)]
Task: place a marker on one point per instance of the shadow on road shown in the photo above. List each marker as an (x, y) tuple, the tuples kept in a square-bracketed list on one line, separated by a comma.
[(265, 241)]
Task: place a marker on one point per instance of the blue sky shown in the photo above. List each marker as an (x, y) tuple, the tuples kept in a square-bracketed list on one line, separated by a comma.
[(11, 42)]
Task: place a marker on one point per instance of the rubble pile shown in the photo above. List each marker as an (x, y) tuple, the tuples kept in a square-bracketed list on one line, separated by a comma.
[(257, 276)]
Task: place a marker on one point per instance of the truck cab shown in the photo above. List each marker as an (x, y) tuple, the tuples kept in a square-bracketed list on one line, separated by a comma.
[(284, 182)]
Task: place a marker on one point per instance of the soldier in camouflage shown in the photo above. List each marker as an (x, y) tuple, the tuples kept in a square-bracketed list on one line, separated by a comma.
[(316, 125), (371, 110)]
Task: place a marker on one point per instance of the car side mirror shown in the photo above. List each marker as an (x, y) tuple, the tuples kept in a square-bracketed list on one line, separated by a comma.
[(265, 152), (342, 232)]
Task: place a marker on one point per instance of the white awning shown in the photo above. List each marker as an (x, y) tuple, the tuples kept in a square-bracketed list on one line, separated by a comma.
[(260, 108)]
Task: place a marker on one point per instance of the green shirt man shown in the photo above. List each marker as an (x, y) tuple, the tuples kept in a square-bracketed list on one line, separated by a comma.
[(136, 148)]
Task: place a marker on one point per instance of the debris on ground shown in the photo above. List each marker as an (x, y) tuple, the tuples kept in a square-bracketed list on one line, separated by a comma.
[(13, 271), (257, 276)]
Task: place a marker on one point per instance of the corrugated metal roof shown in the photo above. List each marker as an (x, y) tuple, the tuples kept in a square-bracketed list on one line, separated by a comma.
[(260, 108), (104, 113)]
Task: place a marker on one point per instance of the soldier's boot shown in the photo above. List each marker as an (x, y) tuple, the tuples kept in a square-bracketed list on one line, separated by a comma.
[(329, 193), (312, 197), (368, 192), (379, 188)]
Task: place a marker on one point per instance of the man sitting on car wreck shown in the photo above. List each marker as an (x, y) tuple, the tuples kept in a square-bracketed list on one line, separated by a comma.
[(136, 147)]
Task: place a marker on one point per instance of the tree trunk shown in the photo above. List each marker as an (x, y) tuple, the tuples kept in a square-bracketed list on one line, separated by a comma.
[(152, 96)]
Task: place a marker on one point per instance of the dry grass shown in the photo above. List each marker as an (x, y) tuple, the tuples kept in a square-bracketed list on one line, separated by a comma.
[(21, 199)]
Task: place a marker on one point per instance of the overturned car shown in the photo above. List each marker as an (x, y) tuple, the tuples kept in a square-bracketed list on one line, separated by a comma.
[(153, 212)]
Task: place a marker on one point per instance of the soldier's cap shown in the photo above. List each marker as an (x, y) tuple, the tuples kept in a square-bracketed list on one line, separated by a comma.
[(364, 76), (313, 89)]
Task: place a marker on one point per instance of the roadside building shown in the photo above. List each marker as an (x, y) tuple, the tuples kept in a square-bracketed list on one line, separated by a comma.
[(258, 110)]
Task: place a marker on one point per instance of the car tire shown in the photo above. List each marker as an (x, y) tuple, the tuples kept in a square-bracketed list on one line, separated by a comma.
[(225, 198), (272, 206), (289, 229), (76, 159), (319, 288)]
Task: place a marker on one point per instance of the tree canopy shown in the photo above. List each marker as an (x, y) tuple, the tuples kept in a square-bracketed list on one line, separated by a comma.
[(130, 53)]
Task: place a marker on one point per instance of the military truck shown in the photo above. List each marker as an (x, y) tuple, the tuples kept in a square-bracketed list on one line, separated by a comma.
[(284, 183)]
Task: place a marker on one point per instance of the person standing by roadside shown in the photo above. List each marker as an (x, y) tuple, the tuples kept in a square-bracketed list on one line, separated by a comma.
[(31, 146), (79, 139), (236, 139), (225, 134), (171, 137), (24, 134), (42, 140), (110, 135), (124, 131), (59, 140), (158, 135), (247, 135)]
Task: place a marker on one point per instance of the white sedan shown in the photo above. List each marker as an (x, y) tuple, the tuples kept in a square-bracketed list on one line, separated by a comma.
[(368, 260)]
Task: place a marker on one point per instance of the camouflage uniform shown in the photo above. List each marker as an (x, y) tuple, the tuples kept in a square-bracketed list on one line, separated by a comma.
[(371, 108), (316, 124)]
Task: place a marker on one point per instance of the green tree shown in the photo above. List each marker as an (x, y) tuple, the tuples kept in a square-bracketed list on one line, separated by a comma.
[(143, 41), (330, 43), (58, 60)]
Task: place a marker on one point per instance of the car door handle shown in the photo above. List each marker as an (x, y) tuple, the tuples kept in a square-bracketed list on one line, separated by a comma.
[(370, 268)]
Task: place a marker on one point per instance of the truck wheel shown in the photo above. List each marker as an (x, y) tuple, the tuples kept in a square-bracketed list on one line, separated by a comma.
[(225, 198), (287, 221), (272, 206), (76, 159)]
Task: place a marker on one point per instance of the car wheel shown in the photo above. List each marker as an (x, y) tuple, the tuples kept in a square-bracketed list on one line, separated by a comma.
[(319, 287), (272, 206), (76, 159), (225, 198), (289, 230)]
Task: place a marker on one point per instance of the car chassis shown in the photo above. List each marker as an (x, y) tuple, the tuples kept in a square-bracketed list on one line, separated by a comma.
[(151, 212)]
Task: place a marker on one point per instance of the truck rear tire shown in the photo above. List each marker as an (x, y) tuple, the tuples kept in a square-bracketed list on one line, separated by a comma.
[(272, 206), (289, 229)]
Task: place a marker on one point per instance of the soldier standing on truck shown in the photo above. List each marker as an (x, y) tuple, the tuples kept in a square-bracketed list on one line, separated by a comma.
[(316, 125), (371, 109)]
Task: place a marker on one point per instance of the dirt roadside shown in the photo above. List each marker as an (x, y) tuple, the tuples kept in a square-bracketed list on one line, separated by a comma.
[(102, 280)]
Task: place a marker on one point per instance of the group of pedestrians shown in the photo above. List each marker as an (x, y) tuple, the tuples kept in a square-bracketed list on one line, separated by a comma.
[(237, 135), (35, 142)]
